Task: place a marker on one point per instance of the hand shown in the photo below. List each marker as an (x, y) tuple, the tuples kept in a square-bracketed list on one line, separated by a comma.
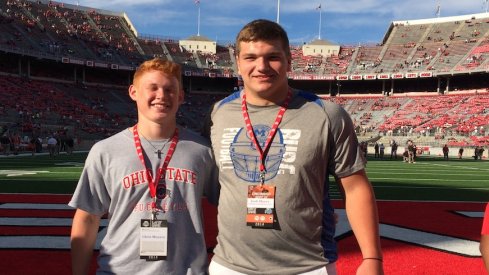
[(370, 267)]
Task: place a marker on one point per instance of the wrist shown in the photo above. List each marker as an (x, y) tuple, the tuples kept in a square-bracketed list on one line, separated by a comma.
[(380, 259)]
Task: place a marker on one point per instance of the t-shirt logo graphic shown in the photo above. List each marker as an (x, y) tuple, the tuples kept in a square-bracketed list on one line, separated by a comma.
[(161, 191), (246, 158)]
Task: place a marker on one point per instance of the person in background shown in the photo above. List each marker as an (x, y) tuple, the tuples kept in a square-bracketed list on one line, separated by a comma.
[(52, 144), (394, 149), (411, 151), (5, 142), (149, 179), (382, 150), (445, 152), (460, 152)]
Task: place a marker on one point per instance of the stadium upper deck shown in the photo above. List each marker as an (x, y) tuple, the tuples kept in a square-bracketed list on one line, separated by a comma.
[(99, 38), (50, 51)]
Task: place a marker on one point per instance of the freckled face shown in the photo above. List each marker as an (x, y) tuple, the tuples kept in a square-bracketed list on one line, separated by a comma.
[(157, 96)]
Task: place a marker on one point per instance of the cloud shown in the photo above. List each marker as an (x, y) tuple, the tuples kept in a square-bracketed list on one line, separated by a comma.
[(399, 9)]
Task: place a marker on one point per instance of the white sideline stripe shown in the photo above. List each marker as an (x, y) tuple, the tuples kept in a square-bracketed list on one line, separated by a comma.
[(441, 242), (429, 240), (432, 187), (471, 214), (35, 242), (461, 167), (435, 241), (418, 179), (41, 222), (43, 242), (40, 206), (469, 173)]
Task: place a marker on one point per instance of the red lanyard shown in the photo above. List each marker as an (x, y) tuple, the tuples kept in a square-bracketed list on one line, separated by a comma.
[(153, 182), (271, 134)]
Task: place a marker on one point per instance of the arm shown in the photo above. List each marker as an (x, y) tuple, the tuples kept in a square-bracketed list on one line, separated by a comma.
[(362, 215), (484, 248), (83, 236)]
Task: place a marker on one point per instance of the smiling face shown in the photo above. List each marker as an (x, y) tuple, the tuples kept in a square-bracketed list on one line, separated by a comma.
[(263, 58), (263, 65), (158, 96)]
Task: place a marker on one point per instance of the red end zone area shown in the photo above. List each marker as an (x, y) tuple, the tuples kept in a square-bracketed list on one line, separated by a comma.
[(423, 238), (417, 237)]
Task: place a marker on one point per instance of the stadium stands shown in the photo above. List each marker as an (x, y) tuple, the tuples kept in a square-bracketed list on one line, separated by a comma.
[(91, 53), (463, 117)]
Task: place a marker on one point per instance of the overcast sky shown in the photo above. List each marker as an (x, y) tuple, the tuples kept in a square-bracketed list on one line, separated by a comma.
[(342, 21)]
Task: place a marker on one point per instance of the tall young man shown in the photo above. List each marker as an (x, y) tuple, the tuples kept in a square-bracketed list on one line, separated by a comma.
[(275, 148), (149, 179)]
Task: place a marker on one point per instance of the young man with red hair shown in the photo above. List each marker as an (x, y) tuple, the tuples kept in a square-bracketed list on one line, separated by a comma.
[(149, 179)]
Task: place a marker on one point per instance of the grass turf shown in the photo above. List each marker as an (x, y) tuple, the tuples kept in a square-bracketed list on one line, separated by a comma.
[(429, 179)]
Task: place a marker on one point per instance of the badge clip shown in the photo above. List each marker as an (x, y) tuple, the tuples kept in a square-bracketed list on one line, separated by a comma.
[(262, 178), (154, 213)]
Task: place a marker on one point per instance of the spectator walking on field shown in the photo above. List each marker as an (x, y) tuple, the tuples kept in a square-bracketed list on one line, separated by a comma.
[(70, 143), (445, 152), (52, 144), (411, 151), (478, 152), (5, 142), (376, 150), (15, 143), (394, 149)]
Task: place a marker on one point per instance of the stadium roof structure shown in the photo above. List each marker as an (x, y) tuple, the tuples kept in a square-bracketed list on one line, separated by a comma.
[(411, 49), (321, 42), (199, 38), (436, 20)]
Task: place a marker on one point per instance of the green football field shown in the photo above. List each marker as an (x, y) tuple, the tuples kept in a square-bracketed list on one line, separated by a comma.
[(429, 179)]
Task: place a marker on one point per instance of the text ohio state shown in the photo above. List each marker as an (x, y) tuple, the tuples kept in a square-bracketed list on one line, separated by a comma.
[(175, 174)]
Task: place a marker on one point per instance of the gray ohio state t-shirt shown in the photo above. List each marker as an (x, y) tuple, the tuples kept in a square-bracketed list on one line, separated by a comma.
[(113, 183), (314, 140)]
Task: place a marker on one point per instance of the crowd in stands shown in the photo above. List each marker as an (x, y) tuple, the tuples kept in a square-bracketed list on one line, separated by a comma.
[(91, 34), (38, 109), (35, 108), (71, 32), (458, 120), (41, 110)]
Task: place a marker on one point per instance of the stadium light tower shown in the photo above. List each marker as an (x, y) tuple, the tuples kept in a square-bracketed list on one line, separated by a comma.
[(278, 11), (197, 2), (320, 19), (438, 9)]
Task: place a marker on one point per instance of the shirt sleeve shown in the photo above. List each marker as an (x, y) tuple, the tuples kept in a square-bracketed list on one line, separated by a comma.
[(91, 194), (212, 186), (346, 158)]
